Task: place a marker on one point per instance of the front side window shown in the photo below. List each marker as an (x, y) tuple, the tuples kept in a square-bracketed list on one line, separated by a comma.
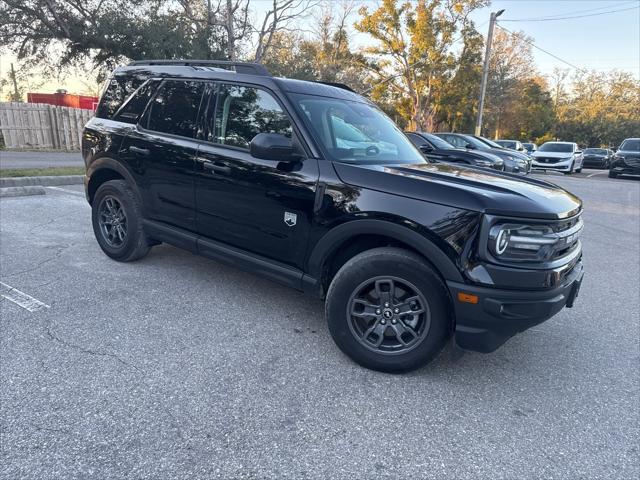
[(244, 112), (356, 132), (174, 109)]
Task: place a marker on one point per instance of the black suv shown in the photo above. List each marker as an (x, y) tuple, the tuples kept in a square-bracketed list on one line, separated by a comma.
[(313, 186)]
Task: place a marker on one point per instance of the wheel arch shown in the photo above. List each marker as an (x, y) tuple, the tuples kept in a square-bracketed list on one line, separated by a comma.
[(348, 239), (104, 169)]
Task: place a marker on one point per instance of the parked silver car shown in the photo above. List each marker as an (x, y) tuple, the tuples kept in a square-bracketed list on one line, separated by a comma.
[(563, 157)]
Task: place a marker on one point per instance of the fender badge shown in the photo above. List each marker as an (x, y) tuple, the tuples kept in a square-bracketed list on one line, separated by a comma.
[(290, 218)]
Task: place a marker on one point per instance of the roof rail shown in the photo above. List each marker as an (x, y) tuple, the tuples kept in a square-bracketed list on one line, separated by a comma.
[(337, 85), (240, 67)]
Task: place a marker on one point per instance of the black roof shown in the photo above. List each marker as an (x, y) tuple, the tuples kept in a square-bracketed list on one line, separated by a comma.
[(248, 72)]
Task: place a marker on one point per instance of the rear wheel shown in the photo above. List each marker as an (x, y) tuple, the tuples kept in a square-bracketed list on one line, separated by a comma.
[(117, 222), (388, 310)]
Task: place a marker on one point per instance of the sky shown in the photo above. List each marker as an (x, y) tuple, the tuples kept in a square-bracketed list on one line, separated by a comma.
[(596, 41)]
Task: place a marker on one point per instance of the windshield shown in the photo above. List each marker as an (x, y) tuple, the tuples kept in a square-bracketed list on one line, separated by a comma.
[(596, 151), (491, 143), (556, 147), (631, 145), (476, 143), (438, 142), (507, 143), (356, 132)]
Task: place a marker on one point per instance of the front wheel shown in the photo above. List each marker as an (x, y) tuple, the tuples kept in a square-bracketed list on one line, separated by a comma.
[(612, 174), (573, 165), (388, 310)]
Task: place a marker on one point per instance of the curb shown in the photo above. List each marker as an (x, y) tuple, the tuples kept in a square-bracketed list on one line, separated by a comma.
[(41, 181), (21, 191)]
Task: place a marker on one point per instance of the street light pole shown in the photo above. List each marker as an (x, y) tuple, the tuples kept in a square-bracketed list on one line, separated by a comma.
[(485, 69)]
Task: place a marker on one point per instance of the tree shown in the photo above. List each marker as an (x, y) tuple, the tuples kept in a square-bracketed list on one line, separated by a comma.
[(510, 66), (414, 54)]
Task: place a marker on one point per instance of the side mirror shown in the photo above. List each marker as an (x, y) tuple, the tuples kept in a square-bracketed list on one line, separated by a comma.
[(578, 152), (470, 146), (426, 148), (273, 146)]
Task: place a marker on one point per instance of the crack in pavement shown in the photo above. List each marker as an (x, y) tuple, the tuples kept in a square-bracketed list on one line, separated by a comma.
[(56, 255)]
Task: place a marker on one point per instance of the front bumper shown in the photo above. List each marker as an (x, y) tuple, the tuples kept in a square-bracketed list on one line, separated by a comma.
[(562, 166), (624, 169), (597, 162), (499, 314)]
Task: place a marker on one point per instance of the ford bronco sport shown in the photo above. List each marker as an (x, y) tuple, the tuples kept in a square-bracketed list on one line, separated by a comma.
[(313, 186)]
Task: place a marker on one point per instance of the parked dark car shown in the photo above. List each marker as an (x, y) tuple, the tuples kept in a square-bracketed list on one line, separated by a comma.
[(626, 160), (438, 150), (314, 187), (597, 157), (530, 147), (513, 161), (512, 144)]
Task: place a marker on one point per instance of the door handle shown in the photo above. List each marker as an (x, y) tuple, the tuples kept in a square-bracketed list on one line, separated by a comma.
[(140, 151), (216, 168)]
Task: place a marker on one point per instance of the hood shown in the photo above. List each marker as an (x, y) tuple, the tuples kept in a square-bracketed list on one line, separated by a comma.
[(468, 188), (538, 153), (628, 153), (508, 154)]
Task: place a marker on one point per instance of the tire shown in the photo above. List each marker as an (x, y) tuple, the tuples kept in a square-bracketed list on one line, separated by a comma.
[(612, 174), (412, 279), (573, 164), (116, 209)]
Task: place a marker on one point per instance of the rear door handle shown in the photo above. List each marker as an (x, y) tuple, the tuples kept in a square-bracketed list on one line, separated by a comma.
[(216, 168), (140, 151)]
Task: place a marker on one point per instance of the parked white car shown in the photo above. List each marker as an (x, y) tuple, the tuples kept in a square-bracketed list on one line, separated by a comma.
[(563, 157)]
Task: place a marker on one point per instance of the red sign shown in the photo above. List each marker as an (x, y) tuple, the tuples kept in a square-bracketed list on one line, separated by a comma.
[(64, 100)]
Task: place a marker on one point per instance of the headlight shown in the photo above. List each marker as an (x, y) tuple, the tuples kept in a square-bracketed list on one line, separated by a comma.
[(484, 163), (519, 242)]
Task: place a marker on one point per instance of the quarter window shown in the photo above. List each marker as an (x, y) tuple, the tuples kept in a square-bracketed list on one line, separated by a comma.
[(134, 107), (244, 112), (174, 109)]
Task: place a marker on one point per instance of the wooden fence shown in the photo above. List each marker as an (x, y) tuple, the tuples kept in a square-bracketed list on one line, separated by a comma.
[(37, 126)]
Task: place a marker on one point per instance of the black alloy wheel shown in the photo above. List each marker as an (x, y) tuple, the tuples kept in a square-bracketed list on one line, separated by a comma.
[(113, 221), (388, 315)]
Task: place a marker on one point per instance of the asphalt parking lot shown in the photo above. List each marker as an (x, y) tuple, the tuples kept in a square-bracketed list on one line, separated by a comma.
[(180, 367)]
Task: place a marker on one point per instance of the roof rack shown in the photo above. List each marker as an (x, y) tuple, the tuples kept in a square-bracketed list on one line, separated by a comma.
[(337, 85), (239, 67)]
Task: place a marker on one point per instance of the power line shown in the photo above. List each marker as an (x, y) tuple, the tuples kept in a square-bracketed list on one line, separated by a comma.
[(553, 19), (575, 12), (541, 49)]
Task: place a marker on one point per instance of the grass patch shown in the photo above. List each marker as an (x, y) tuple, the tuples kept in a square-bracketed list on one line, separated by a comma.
[(41, 172)]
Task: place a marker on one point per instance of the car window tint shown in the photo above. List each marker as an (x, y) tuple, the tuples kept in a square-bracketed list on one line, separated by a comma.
[(174, 109), (417, 140), (455, 141), (244, 112), (117, 91), (134, 107)]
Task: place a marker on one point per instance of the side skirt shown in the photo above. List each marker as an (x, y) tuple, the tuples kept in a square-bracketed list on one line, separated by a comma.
[(276, 271)]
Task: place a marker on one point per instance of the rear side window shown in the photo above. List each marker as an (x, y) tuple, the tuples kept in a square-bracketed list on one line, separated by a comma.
[(118, 90), (417, 140), (175, 107), (244, 112), (134, 107)]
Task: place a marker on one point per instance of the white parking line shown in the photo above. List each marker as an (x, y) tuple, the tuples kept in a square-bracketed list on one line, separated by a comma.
[(72, 192), (21, 299), (597, 173)]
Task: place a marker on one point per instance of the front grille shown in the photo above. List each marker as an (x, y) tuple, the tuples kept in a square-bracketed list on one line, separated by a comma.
[(569, 232), (632, 162), (547, 160)]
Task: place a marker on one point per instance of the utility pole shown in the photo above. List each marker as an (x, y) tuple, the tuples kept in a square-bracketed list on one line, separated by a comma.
[(485, 69)]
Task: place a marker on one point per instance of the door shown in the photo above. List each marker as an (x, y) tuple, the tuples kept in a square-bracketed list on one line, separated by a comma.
[(260, 206), (163, 152)]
